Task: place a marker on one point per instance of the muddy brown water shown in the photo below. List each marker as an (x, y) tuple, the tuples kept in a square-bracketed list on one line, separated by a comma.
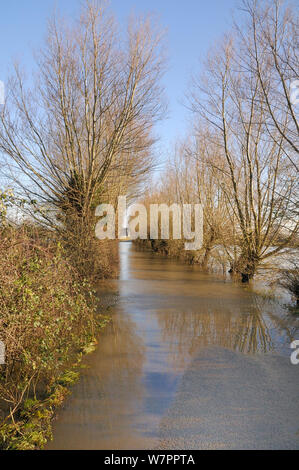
[(189, 361)]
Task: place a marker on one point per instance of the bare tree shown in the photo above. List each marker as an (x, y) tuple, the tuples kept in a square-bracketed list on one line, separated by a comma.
[(270, 49), (261, 178), (85, 129)]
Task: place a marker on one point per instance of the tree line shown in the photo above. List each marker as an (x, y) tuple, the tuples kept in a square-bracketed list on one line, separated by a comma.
[(241, 158), (83, 132)]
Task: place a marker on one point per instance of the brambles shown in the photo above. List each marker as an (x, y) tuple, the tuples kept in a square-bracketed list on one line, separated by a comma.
[(48, 319)]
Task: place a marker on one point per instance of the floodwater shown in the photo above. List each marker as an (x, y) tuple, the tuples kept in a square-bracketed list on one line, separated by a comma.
[(189, 361)]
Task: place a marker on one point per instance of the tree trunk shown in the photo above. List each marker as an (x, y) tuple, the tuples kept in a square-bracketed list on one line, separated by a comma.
[(206, 258)]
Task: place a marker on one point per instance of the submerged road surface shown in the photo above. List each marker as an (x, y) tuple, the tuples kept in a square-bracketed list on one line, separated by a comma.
[(189, 361)]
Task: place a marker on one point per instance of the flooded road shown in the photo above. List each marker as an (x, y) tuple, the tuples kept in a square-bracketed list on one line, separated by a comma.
[(189, 361)]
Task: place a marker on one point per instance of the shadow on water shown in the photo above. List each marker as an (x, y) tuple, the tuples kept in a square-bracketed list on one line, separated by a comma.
[(167, 314)]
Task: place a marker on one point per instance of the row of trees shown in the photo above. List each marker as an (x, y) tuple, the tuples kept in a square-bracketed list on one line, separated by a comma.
[(81, 131), (241, 161)]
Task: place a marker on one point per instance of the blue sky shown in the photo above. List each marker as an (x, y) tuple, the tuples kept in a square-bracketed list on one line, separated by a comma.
[(193, 26)]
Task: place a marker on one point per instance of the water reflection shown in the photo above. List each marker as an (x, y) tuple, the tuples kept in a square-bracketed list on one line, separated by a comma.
[(99, 412), (166, 315), (250, 328)]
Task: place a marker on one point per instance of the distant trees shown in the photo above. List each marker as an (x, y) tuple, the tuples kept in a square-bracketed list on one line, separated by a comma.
[(203, 161), (189, 178)]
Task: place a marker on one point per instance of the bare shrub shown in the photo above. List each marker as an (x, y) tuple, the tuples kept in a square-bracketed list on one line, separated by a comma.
[(47, 316), (289, 280)]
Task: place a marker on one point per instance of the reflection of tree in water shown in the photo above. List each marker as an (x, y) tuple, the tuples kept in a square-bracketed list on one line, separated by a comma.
[(123, 355), (250, 326), (114, 389), (121, 348), (292, 321), (253, 334), (108, 394)]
